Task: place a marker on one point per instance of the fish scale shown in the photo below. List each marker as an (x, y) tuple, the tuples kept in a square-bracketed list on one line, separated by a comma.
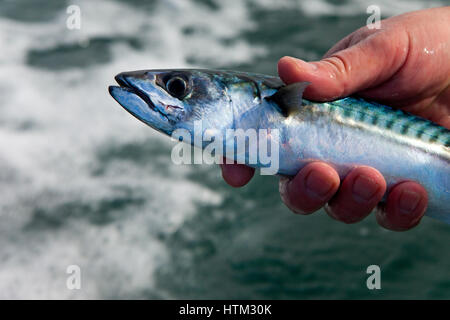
[(392, 119)]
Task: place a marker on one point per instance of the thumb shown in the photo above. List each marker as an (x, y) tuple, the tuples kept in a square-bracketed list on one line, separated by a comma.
[(361, 66)]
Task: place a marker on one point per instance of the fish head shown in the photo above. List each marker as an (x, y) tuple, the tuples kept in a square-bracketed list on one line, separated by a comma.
[(169, 99)]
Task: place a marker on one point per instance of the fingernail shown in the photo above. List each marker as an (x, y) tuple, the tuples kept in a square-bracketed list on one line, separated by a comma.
[(283, 188), (409, 200), (364, 188), (317, 186)]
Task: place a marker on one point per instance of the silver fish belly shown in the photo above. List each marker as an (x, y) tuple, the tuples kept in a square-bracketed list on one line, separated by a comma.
[(400, 146)]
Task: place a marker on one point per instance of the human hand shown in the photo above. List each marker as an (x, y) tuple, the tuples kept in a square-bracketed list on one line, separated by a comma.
[(405, 64)]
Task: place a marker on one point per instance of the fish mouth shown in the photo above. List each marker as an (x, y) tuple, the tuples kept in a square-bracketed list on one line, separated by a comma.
[(139, 103), (127, 86)]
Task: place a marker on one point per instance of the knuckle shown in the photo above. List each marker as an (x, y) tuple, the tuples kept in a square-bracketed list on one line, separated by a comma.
[(340, 69), (295, 204)]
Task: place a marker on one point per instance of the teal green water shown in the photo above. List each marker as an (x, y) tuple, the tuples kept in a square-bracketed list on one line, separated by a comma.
[(84, 183)]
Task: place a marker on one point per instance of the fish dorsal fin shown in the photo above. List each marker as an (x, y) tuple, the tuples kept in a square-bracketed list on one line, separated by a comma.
[(289, 97)]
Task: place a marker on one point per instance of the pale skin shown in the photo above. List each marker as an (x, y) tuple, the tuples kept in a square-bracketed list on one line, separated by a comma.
[(405, 64)]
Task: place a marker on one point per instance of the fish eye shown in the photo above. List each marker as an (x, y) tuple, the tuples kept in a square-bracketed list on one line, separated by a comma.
[(177, 87)]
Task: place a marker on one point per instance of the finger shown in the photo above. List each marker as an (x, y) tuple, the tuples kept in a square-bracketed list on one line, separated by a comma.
[(358, 195), (310, 189), (237, 175), (405, 206), (350, 40), (341, 45), (363, 65)]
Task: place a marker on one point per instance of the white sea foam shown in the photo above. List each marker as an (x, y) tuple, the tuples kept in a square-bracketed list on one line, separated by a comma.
[(352, 7), (53, 125)]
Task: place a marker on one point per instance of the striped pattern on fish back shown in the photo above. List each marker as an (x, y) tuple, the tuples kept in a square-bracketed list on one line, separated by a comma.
[(391, 119)]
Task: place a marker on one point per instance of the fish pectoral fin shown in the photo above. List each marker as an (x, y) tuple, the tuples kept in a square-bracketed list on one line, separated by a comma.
[(289, 97)]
